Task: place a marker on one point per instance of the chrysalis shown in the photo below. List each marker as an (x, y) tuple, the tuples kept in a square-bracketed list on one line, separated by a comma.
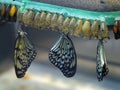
[(25, 17), (30, 17), (48, 20), (65, 28), (2, 11), (37, 20), (54, 21), (104, 32), (24, 54), (60, 22), (42, 19), (13, 12), (72, 25), (63, 56), (19, 16), (116, 30), (78, 28), (86, 29), (94, 29), (102, 68)]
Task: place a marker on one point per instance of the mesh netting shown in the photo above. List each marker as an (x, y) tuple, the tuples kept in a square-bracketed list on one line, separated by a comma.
[(93, 5)]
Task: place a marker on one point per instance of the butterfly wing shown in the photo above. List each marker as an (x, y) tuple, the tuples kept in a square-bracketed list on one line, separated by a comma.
[(102, 69), (24, 54), (63, 56)]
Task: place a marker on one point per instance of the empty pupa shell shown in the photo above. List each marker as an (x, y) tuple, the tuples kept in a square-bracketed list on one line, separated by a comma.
[(60, 22), (95, 29), (42, 19), (25, 17), (86, 29), (72, 25), (48, 20), (104, 32), (119, 28), (78, 28), (13, 11), (30, 17), (65, 28), (115, 28), (37, 22), (19, 16), (3, 8), (54, 21)]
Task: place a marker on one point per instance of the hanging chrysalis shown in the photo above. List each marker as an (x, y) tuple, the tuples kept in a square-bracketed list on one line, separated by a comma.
[(60, 22), (30, 17), (119, 29), (25, 17), (42, 19), (95, 29), (65, 28), (86, 29), (48, 20), (13, 12), (37, 20), (2, 9), (102, 68), (104, 32), (72, 25), (116, 30), (54, 21), (24, 54), (78, 28), (63, 56), (19, 16)]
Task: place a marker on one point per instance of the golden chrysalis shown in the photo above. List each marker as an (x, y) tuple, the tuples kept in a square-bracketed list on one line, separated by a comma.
[(30, 17), (54, 21), (48, 20), (13, 12), (72, 25), (42, 19), (78, 28), (37, 20), (19, 16), (86, 29), (95, 29), (65, 28), (3, 9), (25, 17), (60, 22)]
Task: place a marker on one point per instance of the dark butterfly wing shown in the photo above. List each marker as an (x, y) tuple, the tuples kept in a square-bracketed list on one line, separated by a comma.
[(24, 54), (63, 56), (102, 68)]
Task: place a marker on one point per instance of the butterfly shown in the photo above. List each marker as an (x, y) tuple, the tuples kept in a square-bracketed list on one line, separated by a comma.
[(24, 54), (63, 56), (102, 67)]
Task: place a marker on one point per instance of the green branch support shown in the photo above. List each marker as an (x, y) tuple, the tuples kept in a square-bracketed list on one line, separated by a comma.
[(108, 17)]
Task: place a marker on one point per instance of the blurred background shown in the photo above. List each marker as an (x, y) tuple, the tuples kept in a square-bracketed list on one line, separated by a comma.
[(42, 75)]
